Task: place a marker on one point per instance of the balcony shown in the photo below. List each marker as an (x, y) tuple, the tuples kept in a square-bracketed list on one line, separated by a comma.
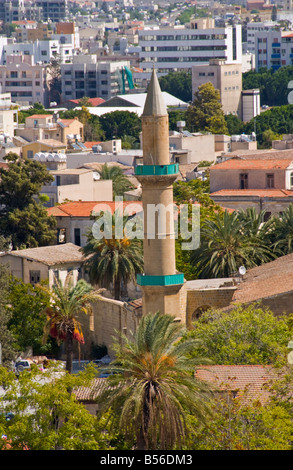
[(157, 170), (168, 280)]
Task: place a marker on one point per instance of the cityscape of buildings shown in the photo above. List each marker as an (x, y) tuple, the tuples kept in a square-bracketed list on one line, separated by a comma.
[(104, 56)]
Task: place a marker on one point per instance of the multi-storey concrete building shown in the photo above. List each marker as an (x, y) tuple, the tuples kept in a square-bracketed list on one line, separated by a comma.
[(227, 78), (273, 49), (86, 76), (180, 48), (254, 28), (26, 81)]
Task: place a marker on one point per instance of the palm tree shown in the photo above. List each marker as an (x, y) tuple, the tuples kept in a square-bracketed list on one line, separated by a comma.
[(283, 243), (120, 181), (111, 261), (225, 246), (154, 387), (67, 301)]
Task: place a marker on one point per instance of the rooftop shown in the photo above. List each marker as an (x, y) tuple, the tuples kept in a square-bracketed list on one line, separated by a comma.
[(50, 255), (253, 164), (265, 281), (86, 208), (273, 193), (250, 382)]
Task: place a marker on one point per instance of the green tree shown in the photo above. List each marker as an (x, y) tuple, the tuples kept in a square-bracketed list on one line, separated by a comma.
[(177, 84), (283, 232), (237, 424), (205, 114), (234, 124), (8, 352), (116, 124), (23, 218), (67, 302), (120, 182), (24, 304), (268, 136), (59, 421), (111, 261), (225, 247), (154, 386), (244, 335)]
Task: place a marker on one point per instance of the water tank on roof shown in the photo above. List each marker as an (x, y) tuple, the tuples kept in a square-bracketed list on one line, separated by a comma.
[(43, 157), (50, 157)]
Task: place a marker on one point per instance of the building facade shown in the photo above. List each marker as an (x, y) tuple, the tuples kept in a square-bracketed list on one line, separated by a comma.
[(180, 48), (227, 78), (26, 81), (86, 76)]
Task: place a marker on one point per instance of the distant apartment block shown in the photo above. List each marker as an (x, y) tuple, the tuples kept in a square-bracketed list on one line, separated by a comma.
[(256, 27), (227, 78), (26, 81), (39, 10), (180, 48), (273, 49), (86, 76)]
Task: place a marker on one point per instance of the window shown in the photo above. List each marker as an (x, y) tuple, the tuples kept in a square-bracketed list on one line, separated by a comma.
[(35, 277), (30, 154), (243, 181), (77, 236), (270, 180), (267, 216)]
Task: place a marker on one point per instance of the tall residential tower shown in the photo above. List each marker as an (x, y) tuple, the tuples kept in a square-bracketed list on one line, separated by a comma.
[(160, 283)]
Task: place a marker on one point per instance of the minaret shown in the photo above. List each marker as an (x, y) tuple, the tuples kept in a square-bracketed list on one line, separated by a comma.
[(160, 282)]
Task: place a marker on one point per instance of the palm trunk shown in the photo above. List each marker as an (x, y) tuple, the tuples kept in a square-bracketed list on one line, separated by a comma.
[(117, 289), (69, 353)]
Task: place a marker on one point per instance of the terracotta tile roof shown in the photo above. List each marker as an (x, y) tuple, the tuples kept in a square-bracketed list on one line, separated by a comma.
[(50, 255), (85, 208), (39, 116), (91, 393), (253, 192), (253, 164), (267, 280), (90, 145), (249, 382), (94, 101)]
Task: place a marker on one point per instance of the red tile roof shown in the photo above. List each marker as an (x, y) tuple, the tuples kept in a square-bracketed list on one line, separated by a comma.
[(39, 116), (253, 192), (253, 164), (94, 101), (249, 382), (85, 208), (265, 281), (90, 145)]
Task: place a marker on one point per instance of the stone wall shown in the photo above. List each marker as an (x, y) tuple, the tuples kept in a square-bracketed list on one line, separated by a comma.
[(108, 317), (203, 299)]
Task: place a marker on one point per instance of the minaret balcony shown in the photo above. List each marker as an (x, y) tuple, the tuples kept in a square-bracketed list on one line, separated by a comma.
[(167, 280), (157, 170)]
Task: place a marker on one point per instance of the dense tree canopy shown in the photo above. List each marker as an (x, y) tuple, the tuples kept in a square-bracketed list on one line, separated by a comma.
[(273, 84), (23, 217), (177, 84), (245, 335), (205, 114)]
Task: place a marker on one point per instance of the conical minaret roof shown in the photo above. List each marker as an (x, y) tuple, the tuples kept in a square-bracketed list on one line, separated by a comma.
[(154, 103)]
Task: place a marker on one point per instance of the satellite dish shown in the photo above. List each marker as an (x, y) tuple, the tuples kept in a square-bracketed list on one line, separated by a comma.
[(242, 270)]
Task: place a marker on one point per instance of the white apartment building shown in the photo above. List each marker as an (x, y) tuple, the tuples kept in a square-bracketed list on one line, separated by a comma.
[(43, 51), (180, 48), (254, 28), (86, 76), (274, 49), (26, 81)]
